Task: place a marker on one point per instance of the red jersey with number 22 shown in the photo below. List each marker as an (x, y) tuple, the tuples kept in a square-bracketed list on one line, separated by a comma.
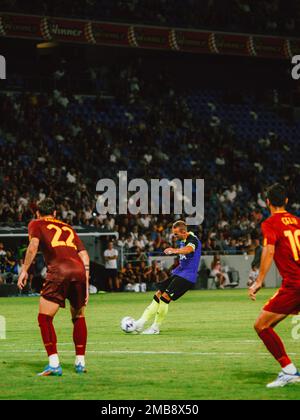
[(283, 231), (66, 275), (58, 241)]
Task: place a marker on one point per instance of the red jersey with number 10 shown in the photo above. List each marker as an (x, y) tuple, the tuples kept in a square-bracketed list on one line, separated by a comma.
[(283, 230), (58, 241)]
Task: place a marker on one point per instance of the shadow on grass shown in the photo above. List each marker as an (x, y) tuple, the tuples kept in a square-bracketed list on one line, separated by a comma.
[(33, 367), (255, 377)]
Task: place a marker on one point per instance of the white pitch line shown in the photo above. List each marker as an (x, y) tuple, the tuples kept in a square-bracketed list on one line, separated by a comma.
[(225, 341), (126, 342), (204, 341), (155, 353)]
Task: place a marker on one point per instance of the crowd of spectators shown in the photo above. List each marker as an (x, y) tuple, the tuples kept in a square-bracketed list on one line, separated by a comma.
[(10, 264), (139, 276), (259, 16), (61, 144), (11, 261)]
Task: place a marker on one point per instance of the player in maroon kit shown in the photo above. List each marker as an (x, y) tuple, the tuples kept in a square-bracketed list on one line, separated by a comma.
[(67, 278), (281, 234)]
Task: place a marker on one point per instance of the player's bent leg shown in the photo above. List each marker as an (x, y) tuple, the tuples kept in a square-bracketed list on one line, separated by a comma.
[(264, 326), (77, 313), (176, 288), (149, 312), (267, 319), (47, 311), (158, 294), (47, 307), (162, 312), (79, 338)]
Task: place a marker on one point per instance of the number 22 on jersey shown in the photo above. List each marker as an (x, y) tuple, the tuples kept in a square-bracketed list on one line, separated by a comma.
[(56, 241)]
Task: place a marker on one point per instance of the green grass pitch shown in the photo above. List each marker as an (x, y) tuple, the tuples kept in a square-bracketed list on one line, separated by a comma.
[(207, 350)]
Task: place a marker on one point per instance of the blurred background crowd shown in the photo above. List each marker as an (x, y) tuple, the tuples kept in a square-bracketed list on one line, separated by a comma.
[(73, 116), (235, 142)]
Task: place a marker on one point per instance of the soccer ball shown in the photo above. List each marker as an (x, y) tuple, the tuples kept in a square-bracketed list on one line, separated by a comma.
[(128, 324)]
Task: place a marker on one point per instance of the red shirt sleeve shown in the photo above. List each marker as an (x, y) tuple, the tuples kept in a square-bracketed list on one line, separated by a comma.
[(269, 234), (34, 230), (78, 243)]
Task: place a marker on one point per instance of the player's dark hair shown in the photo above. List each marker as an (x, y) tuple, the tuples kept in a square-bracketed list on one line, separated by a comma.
[(277, 195), (46, 207), (180, 224)]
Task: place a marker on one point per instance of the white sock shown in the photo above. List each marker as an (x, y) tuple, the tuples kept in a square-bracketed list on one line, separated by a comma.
[(54, 361), (290, 369), (80, 360)]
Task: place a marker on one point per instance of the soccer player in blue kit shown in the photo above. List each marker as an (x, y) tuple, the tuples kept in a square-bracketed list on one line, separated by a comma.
[(183, 278)]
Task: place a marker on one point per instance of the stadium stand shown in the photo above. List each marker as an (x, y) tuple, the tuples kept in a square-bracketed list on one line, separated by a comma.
[(150, 136), (260, 16), (150, 121)]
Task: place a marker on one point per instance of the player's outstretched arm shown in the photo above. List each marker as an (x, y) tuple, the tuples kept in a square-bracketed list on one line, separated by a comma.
[(266, 262), (30, 256), (86, 262), (179, 251)]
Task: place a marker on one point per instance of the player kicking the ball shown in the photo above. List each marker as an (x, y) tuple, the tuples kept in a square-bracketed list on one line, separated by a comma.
[(183, 279), (281, 242), (67, 278)]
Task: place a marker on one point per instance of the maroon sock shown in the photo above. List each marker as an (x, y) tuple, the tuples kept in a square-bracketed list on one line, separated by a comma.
[(80, 336), (275, 346), (48, 333)]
